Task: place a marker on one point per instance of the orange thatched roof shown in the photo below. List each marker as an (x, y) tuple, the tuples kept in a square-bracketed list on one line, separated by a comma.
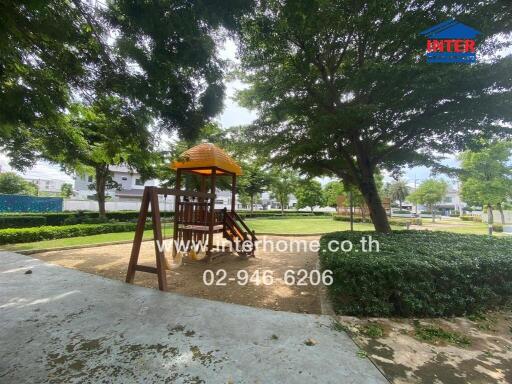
[(207, 155)]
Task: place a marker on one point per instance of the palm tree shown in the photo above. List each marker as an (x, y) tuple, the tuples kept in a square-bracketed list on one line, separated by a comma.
[(398, 190)]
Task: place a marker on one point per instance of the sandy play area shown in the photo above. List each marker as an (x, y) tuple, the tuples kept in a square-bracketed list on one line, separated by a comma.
[(111, 261)]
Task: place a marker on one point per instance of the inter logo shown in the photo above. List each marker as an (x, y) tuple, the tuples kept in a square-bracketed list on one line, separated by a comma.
[(451, 42)]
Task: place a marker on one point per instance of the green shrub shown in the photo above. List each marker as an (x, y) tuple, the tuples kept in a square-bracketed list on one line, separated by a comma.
[(497, 227), (271, 214), (21, 221), (471, 218), (78, 217), (357, 219), (419, 273), (396, 221), (26, 235)]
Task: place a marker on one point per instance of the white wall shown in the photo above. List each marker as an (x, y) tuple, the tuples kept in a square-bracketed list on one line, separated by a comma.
[(497, 216)]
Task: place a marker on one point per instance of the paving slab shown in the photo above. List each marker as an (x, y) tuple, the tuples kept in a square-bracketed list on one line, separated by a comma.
[(59, 325)]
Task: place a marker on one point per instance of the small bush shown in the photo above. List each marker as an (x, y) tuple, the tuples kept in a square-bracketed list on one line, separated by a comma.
[(79, 217), (471, 218), (357, 219), (497, 227), (396, 221), (419, 273), (21, 221), (26, 235), (278, 214)]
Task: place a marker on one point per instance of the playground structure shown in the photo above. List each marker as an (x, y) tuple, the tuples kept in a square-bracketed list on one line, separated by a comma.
[(195, 217)]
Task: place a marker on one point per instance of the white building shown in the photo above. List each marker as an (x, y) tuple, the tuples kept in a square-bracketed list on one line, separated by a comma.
[(49, 186), (130, 183)]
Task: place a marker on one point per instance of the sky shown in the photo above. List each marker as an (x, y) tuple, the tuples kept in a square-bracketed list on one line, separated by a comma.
[(232, 115)]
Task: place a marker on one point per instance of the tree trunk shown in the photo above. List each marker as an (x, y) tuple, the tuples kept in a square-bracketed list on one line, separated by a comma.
[(490, 216), (371, 196), (502, 214), (433, 213), (400, 203), (252, 203), (101, 179), (312, 209)]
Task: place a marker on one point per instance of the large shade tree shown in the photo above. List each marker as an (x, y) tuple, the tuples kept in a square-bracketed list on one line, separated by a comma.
[(106, 133), (160, 57), (343, 87), (487, 177)]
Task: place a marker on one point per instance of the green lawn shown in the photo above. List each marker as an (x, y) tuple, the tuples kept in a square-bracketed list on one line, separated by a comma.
[(292, 225), (303, 225)]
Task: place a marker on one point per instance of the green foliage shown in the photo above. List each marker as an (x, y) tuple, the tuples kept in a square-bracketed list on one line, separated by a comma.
[(487, 175), (429, 193), (66, 190), (26, 235), (342, 88), (397, 190), (309, 194), (282, 184), (61, 218), (397, 221), (331, 191), (12, 184), (434, 334), (277, 215), (255, 180), (470, 218), (21, 221), (373, 330), (419, 273), (173, 45), (47, 49)]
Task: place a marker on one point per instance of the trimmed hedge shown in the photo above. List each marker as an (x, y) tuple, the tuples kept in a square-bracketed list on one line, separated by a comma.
[(21, 221), (26, 235), (471, 218), (419, 273), (248, 214), (399, 221), (66, 218)]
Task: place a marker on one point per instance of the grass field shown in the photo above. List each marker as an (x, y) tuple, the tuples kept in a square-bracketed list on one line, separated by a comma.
[(303, 225), (293, 225)]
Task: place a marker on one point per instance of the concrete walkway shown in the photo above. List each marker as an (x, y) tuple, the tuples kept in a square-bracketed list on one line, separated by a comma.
[(59, 325)]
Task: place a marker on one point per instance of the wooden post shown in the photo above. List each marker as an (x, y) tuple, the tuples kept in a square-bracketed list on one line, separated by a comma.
[(176, 210), (233, 193), (158, 239), (212, 216), (139, 233)]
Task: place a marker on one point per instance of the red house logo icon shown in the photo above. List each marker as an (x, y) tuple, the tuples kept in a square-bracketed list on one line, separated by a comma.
[(451, 42)]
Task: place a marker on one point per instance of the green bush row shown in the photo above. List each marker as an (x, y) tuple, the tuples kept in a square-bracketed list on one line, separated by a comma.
[(67, 218), (21, 221), (419, 273), (398, 221), (477, 219), (248, 214), (26, 235)]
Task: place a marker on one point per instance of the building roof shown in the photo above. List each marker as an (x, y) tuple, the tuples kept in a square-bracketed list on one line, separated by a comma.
[(204, 157), (450, 29)]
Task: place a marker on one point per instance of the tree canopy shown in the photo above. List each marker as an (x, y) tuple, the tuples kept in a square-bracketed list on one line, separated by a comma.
[(343, 88), (486, 178), (429, 193), (13, 184), (309, 194)]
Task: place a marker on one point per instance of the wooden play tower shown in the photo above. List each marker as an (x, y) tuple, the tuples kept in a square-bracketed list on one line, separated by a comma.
[(195, 216)]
